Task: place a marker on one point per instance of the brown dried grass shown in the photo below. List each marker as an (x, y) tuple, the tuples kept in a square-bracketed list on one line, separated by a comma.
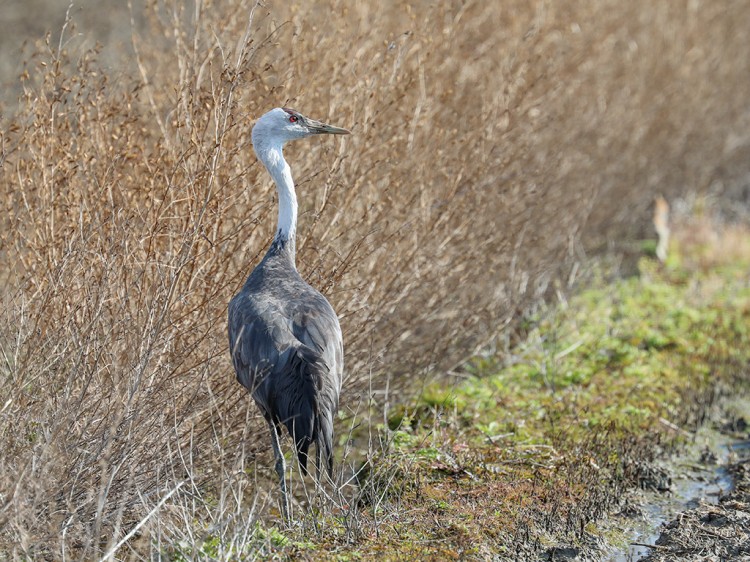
[(493, 143)]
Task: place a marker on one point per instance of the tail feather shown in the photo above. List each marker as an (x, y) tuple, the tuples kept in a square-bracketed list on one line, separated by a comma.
[(306, 420), (324, 444), (302, 447)]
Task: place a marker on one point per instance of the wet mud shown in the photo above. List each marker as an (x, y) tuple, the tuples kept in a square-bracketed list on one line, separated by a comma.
[(698, 507), (708, 531)]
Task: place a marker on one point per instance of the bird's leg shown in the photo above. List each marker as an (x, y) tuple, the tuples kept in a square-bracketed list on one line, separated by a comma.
[(280, 470)]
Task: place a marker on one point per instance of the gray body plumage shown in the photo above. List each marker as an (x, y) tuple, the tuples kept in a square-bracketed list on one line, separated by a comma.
[(288, 352), (284, 336)]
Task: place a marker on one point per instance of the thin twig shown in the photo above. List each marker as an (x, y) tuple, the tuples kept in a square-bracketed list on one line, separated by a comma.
[(142, 522)]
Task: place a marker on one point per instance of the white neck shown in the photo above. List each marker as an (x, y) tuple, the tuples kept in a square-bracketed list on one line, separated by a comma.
[(271, 155)]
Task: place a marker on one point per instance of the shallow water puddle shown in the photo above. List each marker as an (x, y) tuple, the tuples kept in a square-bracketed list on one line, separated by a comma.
[(692, 483)]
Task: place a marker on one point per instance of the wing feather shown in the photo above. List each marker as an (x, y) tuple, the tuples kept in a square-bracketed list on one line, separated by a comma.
[(289, 355)]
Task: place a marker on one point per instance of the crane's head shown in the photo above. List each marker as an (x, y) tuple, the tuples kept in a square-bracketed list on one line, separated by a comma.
[(282, 124)]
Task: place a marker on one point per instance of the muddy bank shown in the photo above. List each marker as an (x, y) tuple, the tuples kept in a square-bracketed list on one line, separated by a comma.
[(691, 505), (710, 532)]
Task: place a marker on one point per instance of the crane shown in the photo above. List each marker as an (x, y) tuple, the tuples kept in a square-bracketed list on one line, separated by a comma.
[(284, 336)]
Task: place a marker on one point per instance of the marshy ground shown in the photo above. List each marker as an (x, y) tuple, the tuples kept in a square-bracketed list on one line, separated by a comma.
[(712, 530)]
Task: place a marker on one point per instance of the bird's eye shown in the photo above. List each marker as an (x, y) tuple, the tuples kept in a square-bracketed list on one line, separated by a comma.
[(293, 119)]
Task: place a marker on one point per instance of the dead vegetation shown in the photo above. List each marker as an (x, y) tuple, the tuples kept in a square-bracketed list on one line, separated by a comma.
[(493, 144)]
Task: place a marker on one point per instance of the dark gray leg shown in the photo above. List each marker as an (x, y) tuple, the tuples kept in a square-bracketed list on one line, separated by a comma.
[(280, 470)]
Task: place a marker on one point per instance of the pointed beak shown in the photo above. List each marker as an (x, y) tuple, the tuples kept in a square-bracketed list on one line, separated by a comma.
[(318, 128)]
